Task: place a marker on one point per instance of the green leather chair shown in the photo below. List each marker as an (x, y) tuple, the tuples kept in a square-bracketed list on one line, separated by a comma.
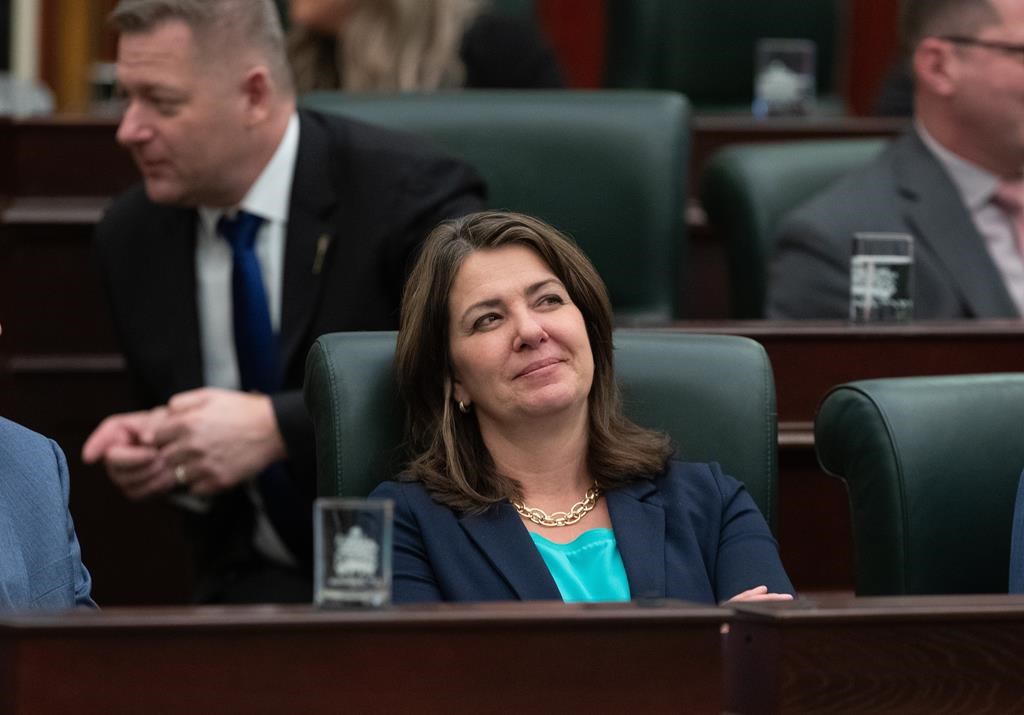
[(705, 48), (746, 189), (931, 465), (714, 394), (605, 167)]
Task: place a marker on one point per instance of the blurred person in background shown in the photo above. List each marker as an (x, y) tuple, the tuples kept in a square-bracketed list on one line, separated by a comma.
[(414, 46)]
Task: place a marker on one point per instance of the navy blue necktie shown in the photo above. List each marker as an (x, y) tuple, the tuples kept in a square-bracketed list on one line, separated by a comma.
[(256, 351), (255, 345)]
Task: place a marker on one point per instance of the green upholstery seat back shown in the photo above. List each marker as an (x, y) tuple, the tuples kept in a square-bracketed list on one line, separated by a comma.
[(931, 465), (605, 167), (705, 48), (635, 52), (714, 395), (746, 190), (513, 8)]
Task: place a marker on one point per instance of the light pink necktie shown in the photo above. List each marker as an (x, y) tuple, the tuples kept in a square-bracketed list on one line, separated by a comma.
[(1010, 198)]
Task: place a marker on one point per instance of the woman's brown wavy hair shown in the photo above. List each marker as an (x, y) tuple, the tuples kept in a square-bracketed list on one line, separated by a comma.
[(450, 456)]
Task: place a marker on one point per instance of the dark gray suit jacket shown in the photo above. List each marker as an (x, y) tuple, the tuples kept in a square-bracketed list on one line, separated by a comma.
[(905, 190), (40, 560), (372, 194)]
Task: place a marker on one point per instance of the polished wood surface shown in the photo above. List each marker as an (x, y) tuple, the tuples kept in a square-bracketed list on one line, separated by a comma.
[(953, 654), (825, 654), (504, 658)]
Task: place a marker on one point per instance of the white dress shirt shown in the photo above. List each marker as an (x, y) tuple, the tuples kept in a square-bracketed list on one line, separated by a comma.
[(268, 198)]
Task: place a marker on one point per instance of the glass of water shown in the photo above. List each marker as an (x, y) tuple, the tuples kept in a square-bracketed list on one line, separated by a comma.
[(352, 552), (881, 278), (784, 76)]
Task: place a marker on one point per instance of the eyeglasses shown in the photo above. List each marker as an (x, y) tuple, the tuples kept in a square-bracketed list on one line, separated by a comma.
[(1009, 48)]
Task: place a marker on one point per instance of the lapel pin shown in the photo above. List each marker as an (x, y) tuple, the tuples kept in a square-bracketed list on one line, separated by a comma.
[(321, 250)]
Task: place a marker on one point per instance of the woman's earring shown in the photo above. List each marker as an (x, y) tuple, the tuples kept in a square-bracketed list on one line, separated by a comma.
[(462, 408)]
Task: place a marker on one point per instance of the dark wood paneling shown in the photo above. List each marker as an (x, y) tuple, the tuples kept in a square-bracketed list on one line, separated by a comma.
[(872, 49), (541, 658), (908, 655), (814, 535), (905, 655), (66, 156)]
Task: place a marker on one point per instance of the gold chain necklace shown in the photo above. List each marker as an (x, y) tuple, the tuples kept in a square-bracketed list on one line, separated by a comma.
[(562, 518)]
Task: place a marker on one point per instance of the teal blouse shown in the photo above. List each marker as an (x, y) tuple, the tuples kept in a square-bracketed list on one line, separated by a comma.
[(589, 568)]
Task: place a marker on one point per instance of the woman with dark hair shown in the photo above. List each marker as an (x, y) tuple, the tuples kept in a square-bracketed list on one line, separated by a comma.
[(528, 481)]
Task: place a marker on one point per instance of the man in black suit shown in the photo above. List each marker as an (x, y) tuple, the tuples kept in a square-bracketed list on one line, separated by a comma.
[(338, 207)]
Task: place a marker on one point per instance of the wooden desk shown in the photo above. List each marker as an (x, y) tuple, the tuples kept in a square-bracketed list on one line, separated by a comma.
[(505, 658), (900, 655), (951, 654)]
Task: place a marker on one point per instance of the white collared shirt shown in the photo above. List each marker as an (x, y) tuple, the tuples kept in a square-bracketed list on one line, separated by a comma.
[(269, 198), (977, 187)]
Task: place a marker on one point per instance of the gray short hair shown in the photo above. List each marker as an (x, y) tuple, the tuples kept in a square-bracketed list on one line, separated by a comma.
[(215, 24)]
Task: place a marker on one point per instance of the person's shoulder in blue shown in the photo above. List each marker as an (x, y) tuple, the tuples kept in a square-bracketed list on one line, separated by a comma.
[(40, 559), (1017, 543)]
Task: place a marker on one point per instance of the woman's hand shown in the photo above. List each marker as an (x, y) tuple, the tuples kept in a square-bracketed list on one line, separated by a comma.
[(760, 593)]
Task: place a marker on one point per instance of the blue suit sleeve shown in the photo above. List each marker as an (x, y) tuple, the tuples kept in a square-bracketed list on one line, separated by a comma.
[(82, 578), (1017, 543), (748, 555), (413, 579)]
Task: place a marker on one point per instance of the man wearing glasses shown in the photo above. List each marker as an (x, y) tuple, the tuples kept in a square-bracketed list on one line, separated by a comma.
[(953, 181)]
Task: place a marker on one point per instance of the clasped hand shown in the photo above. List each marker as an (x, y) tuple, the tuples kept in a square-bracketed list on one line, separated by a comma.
[(214, 438), (759, 593)]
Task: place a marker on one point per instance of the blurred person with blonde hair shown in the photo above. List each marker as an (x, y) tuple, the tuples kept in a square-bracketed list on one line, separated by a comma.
[(414, 45)]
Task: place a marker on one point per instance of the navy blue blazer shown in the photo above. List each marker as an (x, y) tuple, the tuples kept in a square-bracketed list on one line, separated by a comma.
[(1017, 542), (691, 533), (40, 561)]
